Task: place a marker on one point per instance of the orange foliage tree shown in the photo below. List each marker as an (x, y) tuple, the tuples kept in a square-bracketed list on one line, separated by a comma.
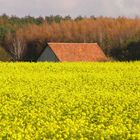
[(110, 33)]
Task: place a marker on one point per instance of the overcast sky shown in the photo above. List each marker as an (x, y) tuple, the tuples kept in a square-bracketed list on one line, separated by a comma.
[(113, 8)]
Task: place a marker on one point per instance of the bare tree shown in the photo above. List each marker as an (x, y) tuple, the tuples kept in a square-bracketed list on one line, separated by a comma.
[(16, 47)]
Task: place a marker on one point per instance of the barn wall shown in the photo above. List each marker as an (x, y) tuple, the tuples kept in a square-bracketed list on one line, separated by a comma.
[(48, 55)]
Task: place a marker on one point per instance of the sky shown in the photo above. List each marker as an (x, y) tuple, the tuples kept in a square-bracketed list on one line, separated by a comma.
[(110, 8)]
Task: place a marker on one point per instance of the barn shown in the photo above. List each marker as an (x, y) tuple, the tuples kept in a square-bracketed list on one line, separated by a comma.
[(72, 52)]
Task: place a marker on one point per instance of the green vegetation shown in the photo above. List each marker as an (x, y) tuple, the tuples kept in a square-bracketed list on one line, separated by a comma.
[(4, 55), (70, 101)]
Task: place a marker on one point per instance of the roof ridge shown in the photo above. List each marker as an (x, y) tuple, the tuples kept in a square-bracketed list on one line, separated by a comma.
[(70, 43)]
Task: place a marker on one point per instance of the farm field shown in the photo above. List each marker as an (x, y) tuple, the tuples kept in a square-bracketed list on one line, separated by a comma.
[(41, 101)]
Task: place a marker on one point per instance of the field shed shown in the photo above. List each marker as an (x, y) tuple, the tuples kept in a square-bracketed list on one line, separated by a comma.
[(72, 52)]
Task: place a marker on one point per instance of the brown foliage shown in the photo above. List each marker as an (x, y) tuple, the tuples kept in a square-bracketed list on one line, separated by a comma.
[(109, 33)]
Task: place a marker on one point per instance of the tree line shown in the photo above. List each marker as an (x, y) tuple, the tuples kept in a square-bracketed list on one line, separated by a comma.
[(25, 38)]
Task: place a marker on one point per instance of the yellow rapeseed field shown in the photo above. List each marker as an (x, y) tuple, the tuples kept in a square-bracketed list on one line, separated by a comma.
[(70, 101)]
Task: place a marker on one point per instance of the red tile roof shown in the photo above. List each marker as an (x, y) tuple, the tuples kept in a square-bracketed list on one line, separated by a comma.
[(72, 52)]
